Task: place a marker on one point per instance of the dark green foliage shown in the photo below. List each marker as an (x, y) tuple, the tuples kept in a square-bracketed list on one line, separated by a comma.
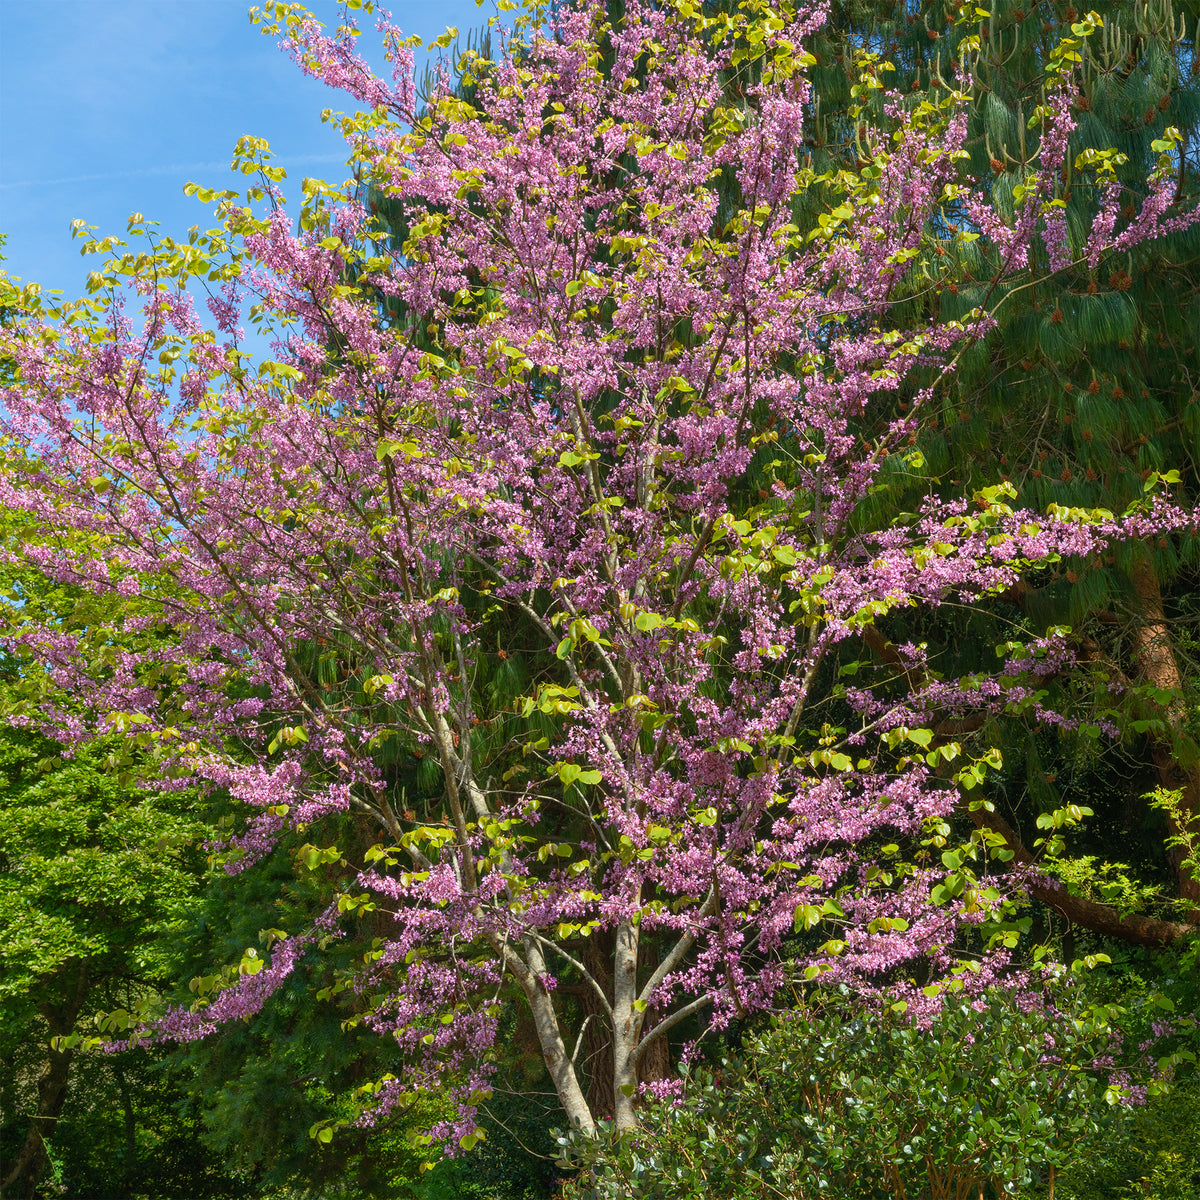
[(128, 1130), (1152, 1153), (851, 1100), (515, 1162), (94, 877)]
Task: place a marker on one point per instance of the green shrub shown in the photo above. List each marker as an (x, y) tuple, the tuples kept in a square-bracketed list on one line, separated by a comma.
[(1148, 1153), (852, 1100)]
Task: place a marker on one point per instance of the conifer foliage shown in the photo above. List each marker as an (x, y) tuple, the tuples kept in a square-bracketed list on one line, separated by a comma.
[(630, 423), (1086, 387)]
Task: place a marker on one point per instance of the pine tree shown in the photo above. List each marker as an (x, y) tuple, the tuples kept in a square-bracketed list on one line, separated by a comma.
[(1087, 391)]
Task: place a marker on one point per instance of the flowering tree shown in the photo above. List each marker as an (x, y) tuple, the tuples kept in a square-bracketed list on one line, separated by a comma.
[(614, 456)]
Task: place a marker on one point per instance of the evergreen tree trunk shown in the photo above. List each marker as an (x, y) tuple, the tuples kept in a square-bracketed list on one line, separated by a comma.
[(1174, 758), (597, 1036)]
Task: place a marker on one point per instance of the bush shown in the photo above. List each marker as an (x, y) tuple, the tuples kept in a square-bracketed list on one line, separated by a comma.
[(1149, 1153), (851, 1099)]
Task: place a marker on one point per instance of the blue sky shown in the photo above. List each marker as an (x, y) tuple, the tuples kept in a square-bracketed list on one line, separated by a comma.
[(108, 107)]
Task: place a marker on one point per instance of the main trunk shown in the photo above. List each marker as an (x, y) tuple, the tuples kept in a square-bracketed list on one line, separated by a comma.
[(627, 1024), (554, 1052), (653, 1061)]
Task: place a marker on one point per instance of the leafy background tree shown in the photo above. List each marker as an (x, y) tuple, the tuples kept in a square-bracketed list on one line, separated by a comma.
[(96, 876)]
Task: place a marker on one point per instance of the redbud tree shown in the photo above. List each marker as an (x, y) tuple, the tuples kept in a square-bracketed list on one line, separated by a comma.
[(620, 436)]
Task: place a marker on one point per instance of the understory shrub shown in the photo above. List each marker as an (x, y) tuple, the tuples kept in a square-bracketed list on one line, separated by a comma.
[(850, 1098)]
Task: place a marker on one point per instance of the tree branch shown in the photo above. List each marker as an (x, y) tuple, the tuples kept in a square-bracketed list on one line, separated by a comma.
[(1091, 914)]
